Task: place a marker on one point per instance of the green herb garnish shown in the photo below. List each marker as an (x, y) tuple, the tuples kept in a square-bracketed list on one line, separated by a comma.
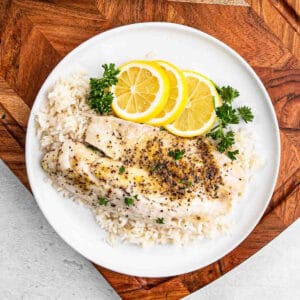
[(176, 154), (226, 141), (161, 128), (3, 116), (129, 201), (122, 170), (227, 93), (186, 183), (92, 148), (100, 98), (160, 221), (102, 201), (232, 154), (246, 113), (228, 115)]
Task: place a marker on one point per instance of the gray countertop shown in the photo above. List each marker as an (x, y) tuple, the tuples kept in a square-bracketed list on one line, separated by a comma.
[(35, 263), (273, 273)]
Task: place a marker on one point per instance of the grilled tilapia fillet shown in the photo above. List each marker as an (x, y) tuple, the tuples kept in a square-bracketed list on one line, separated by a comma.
[(201, 184), (201, 172)]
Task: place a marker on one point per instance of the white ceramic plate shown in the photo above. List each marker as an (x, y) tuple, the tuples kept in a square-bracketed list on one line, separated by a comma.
[(189, 49)]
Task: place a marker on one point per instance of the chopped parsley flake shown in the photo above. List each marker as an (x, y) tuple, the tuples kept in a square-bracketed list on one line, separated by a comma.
[(122, 170), (92, 148), (186, 183), (176, 154), (160, 221), (102, 201), (129, 201)]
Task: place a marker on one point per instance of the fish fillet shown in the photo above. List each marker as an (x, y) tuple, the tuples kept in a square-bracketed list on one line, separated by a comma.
[(208, 171), (200, 185)]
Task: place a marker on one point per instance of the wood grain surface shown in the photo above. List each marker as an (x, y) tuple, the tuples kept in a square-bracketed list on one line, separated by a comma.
[(283, 18), (36, 35)]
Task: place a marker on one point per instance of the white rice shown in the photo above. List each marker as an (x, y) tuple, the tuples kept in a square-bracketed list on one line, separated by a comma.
[(66, 112), (65, 116)]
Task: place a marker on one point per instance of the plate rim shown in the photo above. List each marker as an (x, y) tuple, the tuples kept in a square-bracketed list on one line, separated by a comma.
[(168, 25)]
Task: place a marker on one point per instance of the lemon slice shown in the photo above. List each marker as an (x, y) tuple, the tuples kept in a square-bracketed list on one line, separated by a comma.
[(199, 115), (177, 98), (142, 91)]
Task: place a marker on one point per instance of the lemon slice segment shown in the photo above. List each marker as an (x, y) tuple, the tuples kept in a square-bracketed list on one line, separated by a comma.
[(141, 92), (199, 114), (177, 97)]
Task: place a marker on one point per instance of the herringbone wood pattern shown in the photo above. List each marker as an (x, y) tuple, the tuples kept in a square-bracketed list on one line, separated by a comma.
[(35, 36)]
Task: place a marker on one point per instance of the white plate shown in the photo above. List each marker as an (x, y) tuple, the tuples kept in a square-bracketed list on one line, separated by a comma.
[(189, 49)]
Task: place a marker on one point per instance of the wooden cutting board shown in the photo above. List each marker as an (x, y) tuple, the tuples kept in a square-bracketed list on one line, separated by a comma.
[(36, 35)]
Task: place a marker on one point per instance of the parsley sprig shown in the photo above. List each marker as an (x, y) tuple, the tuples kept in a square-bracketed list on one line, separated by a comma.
[(228, 115), (100, 98), (227, 93), (246, 113)]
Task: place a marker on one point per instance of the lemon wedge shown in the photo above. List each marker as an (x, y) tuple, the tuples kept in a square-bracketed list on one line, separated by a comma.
[(177, 97), (141, 92), (199, 114)]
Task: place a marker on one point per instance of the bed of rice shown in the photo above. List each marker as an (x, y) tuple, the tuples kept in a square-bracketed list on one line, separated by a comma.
[(65, 117)]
